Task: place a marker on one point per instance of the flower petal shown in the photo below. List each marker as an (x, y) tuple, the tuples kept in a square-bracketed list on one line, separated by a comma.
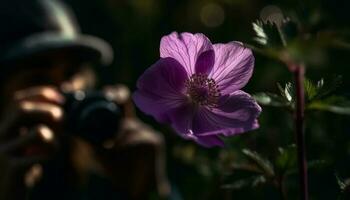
[(233, 66), (181, 120), (210, 141), (205, 62), (185, 48), (160, 88), (236, 113)]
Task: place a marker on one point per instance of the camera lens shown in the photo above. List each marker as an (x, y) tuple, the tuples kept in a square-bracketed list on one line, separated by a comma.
[(92, 116)]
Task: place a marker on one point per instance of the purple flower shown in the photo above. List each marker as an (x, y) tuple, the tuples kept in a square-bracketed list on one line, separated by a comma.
[(195, 87)]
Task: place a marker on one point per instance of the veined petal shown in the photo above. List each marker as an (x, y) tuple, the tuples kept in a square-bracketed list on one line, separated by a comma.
[(166, 76), (154, 105), (160, 88), (236, 113), (186, 48), (233, 66), (181, 119), (205, 62), (210, 141)]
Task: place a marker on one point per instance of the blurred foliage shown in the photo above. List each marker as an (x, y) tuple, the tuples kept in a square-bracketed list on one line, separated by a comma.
[(344, 186), (318, 96), (312, 31), (259, 170)]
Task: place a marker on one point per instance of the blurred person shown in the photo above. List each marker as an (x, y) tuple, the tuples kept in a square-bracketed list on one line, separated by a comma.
[(44, 59)]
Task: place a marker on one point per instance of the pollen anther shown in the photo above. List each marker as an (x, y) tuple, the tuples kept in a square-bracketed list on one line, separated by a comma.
[(202, 90)]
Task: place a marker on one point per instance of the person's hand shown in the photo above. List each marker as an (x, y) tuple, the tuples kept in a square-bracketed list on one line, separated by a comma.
[(27, 134), (135, 159)]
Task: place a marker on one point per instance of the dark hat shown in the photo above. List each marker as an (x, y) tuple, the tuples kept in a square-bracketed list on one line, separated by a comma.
[(31, 27)]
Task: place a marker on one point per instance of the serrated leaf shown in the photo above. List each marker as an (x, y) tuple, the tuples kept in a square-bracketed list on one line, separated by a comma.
[(264, 164), (343, 184), (242, 175), (238, 184), (267, 34), (246, 182), (334, 104), (325, 87), (311, 89), (289, 30), (320, 83), (322, 88), (270, 99), (287, 91), (261, 36), (340, 182), (287, 158)]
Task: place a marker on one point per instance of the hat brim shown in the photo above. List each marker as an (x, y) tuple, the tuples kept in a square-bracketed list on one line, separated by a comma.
[(87, 48)]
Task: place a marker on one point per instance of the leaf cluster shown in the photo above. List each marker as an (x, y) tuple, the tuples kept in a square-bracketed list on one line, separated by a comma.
[(258, 170), (318, 96), (289, 42)]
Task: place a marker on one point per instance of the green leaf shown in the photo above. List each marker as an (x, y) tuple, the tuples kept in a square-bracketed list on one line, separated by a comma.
[(343, 184), (267, 34), (246, 182), (286, 159), (311, 89), (289, 30), (322, 88), (287, 92), (270, 99), (315, 94), (319, 99), (261, 36), (325, 87), (284, 99), (242, 175), (334, 104), (264, 164), (275, 34)]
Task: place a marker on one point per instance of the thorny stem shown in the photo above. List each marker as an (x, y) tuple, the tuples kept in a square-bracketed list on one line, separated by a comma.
[(299, 71)]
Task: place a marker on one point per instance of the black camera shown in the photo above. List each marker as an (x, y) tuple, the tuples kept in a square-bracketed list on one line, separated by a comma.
[(91, 115)]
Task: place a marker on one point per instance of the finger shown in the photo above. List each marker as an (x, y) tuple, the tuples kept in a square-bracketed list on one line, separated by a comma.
[(45, 133), (39, 111), (41, 93), (118, 93), (29, 113), (33, 175), (40, 133)]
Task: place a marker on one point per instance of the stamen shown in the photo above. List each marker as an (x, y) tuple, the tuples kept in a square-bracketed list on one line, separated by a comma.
[(203, 90)]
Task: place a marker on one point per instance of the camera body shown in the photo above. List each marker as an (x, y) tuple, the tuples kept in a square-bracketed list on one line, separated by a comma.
[(91, 115)]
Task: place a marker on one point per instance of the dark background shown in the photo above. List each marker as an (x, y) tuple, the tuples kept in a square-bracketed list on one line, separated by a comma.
[(134, 29)]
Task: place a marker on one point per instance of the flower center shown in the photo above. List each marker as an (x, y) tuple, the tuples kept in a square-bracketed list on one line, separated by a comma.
[(202, 90)]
